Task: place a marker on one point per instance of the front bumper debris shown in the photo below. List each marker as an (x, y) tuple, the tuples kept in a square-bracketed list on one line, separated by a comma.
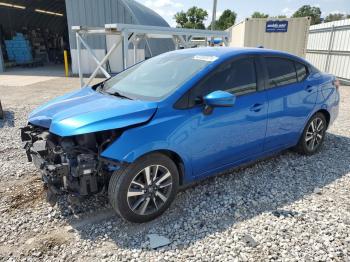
[(66, 164)]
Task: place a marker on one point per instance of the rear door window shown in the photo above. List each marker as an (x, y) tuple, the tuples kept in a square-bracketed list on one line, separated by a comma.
[(281, 71)]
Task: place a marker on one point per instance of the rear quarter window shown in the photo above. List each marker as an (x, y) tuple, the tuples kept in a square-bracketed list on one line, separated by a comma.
[(302, 71)]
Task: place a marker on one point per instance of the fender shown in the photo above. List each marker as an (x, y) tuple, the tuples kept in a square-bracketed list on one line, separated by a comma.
[(326, 100), (172, 134)]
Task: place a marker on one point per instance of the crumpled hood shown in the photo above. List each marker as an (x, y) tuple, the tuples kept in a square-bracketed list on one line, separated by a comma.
[(86, 111)]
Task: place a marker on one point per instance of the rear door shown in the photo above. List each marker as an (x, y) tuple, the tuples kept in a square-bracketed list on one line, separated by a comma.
[(292, 97)]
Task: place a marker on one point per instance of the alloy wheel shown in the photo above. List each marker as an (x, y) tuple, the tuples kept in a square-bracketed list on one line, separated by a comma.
[(314, 134), (149, 190)]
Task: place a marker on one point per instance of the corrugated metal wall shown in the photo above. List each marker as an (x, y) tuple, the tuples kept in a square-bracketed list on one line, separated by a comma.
[(95, 13), (254, 34), (329, 48)]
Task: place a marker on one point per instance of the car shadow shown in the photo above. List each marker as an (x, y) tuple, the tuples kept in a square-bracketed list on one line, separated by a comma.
[(218, 203), (8, 119)]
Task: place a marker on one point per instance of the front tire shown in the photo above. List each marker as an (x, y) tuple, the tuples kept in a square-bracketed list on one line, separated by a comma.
[(313, 135), (145, 189)]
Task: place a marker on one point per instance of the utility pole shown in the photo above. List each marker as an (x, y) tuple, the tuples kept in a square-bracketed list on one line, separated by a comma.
[(214, 15), (213, 20)]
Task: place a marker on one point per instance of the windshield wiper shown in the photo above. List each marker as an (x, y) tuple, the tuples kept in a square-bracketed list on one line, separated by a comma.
[(99, 87), (119, 95)]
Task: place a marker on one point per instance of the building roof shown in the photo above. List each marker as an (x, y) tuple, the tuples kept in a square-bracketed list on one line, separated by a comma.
[(144, 15)]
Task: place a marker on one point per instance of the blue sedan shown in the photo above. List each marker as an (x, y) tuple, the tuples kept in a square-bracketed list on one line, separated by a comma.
[(175, 119)]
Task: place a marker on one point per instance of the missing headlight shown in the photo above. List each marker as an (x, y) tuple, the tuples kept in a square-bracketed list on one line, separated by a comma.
[(70, 164)]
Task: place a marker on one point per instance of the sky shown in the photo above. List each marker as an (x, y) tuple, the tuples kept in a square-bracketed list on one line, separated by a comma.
[(244, 8)]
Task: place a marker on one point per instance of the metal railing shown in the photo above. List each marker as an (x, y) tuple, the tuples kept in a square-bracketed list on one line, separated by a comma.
[(134, 34)]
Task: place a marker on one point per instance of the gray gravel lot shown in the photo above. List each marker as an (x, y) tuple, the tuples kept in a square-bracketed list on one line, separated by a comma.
[(285, 208)]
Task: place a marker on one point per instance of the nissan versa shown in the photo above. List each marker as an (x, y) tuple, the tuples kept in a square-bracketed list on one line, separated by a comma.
[(177, 118)]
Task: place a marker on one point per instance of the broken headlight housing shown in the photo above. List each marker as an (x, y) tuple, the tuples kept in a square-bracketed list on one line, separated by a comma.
[(70, 164)]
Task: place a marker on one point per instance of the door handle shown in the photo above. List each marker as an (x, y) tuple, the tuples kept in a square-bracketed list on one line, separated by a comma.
[(256, 107), (309, 88)]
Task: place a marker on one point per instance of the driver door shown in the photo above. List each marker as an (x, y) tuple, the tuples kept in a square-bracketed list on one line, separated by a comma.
[(228, 135)]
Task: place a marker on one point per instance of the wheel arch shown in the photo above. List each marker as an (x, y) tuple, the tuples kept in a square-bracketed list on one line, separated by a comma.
[(326, 114), (321, 110), (175, 157)]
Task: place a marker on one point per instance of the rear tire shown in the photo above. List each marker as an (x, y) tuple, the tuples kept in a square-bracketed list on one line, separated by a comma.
[(313, 135), (145, 189)]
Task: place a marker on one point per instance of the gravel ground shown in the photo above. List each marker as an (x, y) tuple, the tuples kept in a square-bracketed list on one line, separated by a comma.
[(286, 208)]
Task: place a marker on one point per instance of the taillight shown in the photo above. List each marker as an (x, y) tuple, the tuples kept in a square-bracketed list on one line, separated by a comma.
[(336, 83)]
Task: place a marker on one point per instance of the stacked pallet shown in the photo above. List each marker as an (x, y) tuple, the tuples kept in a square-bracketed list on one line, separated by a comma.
[(39, 43), (19, 49)]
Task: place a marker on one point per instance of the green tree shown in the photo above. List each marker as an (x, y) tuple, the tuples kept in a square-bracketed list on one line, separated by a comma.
[(311, 11), (281, 16), (194, 18), (226, 20), (335, 17), (181, 18), (259, 15)]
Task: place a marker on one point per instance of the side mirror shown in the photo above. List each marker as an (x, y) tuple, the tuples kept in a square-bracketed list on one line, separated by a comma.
[(219, 99)]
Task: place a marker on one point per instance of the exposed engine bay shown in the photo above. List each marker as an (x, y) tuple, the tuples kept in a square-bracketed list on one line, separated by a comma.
[(70, 164)]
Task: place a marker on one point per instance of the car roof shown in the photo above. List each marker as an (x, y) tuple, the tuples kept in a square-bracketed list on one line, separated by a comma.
[(222, 53)]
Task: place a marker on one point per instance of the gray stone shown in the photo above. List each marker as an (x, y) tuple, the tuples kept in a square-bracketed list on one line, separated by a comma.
[(157, 241)]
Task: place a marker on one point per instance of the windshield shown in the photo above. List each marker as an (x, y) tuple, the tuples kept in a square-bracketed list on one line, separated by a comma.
[(157, 77)]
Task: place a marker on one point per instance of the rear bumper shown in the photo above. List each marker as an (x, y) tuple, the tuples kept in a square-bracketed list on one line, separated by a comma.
[(334, 108)]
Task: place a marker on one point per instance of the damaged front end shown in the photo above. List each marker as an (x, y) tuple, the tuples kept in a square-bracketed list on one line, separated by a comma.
[(70, 164)]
